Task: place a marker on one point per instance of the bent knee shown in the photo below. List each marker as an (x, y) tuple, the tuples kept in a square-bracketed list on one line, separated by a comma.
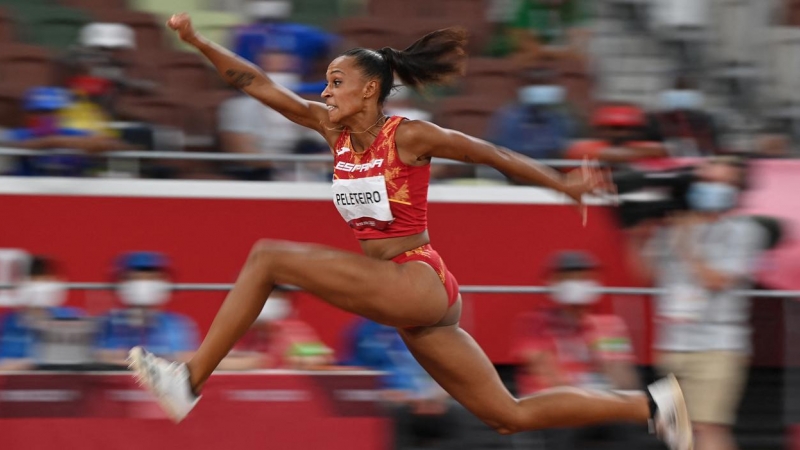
[(265, 251)]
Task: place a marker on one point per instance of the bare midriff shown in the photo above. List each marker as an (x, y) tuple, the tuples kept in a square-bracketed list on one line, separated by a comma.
[(388, 248)]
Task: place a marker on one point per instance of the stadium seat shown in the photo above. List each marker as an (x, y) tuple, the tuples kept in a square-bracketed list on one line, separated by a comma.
[(682, 13), (152, 109), (52, 26), (492, 76), (739, 27), (148, 27), (11, 113), (26, 65), (374, 32), (95, 4), (783, 65), (8, 32), (468, 114), (320, 13), (184, 71)]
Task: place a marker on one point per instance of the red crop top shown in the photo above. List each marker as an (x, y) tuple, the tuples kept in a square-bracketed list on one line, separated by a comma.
[(376, 193)]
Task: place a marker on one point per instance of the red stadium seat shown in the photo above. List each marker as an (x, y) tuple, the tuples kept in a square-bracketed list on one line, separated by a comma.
[(491, 76), (8, 32), (469, 114), (26, 65), (95, 4)]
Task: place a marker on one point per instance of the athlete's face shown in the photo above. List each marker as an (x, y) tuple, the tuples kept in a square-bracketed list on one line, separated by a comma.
[(348, 91)]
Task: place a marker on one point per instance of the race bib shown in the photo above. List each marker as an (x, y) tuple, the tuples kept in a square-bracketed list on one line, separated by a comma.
[(363, 202)]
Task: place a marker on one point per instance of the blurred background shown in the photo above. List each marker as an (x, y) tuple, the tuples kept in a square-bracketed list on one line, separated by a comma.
[(133, 183)]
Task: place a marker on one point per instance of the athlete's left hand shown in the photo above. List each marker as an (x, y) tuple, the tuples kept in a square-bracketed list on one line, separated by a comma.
[(590, 178)]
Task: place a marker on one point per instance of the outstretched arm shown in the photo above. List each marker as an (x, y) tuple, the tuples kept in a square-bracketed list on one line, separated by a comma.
[(252, 80), (427, 140)]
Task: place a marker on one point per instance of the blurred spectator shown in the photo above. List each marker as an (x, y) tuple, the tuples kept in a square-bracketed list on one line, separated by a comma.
[(551, 29), (248, 126), (700, 258), (143, 289), (421, 408), (97, 53), (279, 340), (271, 29), (620, 136), (13, 269), (569, 345), (39, 300), (683, 125), (46, 128), (536, 125)]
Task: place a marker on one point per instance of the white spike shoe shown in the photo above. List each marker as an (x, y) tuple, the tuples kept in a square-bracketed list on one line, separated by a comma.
[(671, 417), (168, 381)]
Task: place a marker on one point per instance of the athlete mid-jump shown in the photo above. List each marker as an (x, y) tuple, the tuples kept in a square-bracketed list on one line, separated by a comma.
[(381, 176)]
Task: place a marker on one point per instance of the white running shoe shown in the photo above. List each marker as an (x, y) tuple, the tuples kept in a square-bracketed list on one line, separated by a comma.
[(672, 422), (168, 381)]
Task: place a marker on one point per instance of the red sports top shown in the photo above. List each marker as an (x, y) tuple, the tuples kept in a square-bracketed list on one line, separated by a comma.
[(376, 193)]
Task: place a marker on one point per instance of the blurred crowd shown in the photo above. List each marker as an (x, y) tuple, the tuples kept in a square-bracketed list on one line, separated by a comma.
[(700, 254), (630, 83), (615, 80)]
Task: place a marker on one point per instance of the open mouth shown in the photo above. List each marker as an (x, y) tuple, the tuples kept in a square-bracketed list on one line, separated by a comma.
[(331, 107)]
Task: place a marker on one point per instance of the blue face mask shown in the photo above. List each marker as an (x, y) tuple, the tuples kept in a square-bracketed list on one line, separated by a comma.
[(681, 99), (541, 95), (712, 197)]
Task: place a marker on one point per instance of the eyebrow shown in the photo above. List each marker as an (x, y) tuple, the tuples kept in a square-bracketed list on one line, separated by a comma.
[(337, 70)]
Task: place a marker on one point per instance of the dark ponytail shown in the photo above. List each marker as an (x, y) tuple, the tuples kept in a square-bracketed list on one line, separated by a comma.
[(434, 59)]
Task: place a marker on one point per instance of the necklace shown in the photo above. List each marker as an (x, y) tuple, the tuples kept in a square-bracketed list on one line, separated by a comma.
[(358, 132)]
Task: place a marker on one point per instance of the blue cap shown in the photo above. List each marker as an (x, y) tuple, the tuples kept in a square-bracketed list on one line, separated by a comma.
[(46, 98), (572, 260), (143, 261)]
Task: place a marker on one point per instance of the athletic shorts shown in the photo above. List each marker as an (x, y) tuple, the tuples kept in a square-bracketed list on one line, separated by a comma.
[(712, 382), (429, 256)]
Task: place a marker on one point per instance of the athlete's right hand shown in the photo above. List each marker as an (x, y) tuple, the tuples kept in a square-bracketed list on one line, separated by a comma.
[(183, 25)]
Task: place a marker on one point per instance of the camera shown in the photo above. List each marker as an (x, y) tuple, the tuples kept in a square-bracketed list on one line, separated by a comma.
[(651, 194)]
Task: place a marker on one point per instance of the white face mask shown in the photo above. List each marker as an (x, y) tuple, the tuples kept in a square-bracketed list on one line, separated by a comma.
[(541, 95), (144, 292), (289, 80), (42, 294), (576, 292), (681, 99), (276, 308), (712, 196)]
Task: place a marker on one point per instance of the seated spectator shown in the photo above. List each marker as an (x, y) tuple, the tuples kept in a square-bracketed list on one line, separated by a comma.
[(45, 128), (569, 345), (536, 125), (620, 137), (248, 126), (682, 124), (420, 407), (39, 300), (279, 340), (552, 29), (143, 289), (14, 264), (271, 28)]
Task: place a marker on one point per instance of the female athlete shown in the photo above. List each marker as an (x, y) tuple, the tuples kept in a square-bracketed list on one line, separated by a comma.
[(382, 170)]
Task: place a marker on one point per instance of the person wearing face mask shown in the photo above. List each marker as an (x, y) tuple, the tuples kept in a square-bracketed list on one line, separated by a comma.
[(620, 135), (700, 258), (279, 339), (536, 125), (143, 290), (39, 299), (569, 344), (682, 123), (248, 126)]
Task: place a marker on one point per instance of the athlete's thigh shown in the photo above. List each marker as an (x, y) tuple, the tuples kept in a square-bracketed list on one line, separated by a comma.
[(453, 358), (404, 295)]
